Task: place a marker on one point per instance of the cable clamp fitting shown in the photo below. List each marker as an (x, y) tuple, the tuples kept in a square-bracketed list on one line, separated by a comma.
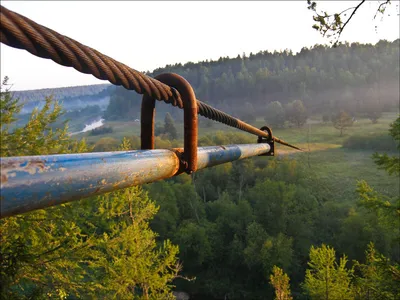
[(267, 140)]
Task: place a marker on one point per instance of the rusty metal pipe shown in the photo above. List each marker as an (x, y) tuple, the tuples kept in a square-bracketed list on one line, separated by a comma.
[(189, 102), (35, 182)]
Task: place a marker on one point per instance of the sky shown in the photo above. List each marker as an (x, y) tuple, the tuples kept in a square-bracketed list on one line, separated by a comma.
[(151, 34)]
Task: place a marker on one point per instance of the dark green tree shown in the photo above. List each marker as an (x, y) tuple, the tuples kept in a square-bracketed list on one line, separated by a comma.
[(390, 163), (169, 127), (378, 278)]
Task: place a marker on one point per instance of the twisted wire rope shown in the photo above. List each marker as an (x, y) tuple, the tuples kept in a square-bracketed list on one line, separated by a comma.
[(20, 32)]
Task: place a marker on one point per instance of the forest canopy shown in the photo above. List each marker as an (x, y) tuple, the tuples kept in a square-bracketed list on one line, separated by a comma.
[(353, 77)]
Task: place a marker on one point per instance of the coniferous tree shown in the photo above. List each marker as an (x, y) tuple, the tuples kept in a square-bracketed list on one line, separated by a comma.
[(325, 278), (94, 248), (280, 281), (379, 277)]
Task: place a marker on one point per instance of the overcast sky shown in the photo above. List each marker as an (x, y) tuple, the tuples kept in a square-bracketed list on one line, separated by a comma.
[(148, 35)]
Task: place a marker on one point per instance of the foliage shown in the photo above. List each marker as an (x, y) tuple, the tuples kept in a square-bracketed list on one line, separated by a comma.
[(326, 118), (368, 141), (41, 250), (105, 144), (275, 114), (65, 93), (372, 109), (234, 222), (101, 130), (130, 263), (332, 25), (88, 111), (247, 113), (280, 281), (122, 106), (387, 209), (169, 127), (384, 206), (378, 278), (94, 248), (348, 77), (390, 163), (37, 136), (374, 116), (326, 279), (223, 232), (296, 113), (342, 121)]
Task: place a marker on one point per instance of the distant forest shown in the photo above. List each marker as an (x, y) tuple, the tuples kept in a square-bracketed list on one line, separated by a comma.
[(352, 77), (74, 98), (61, 93)]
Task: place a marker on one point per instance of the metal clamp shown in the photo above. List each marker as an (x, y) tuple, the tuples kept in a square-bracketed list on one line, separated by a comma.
[(189, 157), (268, 140)]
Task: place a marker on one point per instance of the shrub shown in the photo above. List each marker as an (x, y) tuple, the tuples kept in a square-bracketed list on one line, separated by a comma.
[(101, 130), (375, 142)]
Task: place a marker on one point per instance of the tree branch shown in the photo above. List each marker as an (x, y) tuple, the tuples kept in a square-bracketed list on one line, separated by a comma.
[(380, 6), (348, 20)]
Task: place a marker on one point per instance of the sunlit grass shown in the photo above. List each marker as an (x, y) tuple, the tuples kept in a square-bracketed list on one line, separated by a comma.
[(309, 133), (334, 167), (339, 169)]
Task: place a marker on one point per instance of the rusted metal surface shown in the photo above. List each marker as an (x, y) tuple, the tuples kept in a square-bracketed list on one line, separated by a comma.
[(20, 32), (147, 121), (189, 159), (34, 182)]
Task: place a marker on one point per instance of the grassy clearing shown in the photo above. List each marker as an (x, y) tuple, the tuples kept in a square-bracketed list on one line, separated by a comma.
[(314, 133), (337, 169)]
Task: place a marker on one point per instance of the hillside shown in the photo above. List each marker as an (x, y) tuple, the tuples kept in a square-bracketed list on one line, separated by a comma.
[(354, 77), (72, 98), (61, 93)]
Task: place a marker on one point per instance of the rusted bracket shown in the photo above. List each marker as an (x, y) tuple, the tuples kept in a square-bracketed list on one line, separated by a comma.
[(189, 156), (269, 140)]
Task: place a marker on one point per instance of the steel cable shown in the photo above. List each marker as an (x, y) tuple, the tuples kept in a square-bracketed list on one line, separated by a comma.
[(20, 32)]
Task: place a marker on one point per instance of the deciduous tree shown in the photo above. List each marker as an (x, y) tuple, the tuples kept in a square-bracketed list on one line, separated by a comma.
[(275, 114), (342, 121), (296, 113)]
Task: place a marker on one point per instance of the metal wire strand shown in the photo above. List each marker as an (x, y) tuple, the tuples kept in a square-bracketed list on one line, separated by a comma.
[(20, 32)]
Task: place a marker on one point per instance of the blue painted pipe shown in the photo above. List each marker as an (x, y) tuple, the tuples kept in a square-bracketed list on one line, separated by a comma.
[(35, 182)]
